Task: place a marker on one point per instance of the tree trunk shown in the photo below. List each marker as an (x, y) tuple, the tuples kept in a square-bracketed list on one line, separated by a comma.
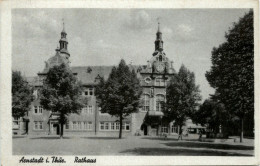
[(242, 129), (62, 119), (121, 124), (61, 130), (180, 132)]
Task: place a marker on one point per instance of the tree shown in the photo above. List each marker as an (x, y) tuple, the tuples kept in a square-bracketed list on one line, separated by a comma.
[(232, 71), (61, 93), (22, 95), (211, 113), (182, 96), (119, 95)]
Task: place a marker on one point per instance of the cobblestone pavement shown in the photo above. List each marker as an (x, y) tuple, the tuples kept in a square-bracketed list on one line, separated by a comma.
[(131, 145)]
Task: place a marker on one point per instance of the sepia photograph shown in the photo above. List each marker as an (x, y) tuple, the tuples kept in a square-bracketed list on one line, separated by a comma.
[(133, 82)]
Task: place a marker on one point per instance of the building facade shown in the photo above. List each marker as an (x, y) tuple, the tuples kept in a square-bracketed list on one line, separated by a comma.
[(153, 76)]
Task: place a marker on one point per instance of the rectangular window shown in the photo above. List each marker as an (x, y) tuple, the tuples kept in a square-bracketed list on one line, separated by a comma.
[(79, 126), (84, 110), (117, 126), (89, 126), (91, 91), (146, 99), (38, 125), (113, 126), (157, 82), (85, 125), (40, 109), (35, 109), (174, 129), (75, 126), (102, 126), (86, 93), (106, 126), (164, 129), (90, 110)]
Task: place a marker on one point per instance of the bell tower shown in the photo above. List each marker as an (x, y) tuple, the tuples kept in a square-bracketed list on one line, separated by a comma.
[(158, 42), (64, 43)]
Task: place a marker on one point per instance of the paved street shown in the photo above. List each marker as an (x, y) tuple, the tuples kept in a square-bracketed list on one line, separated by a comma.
[(131, 145)]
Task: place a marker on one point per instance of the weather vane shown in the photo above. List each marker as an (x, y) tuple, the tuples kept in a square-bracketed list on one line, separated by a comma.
[(63, 23), (158, 20)]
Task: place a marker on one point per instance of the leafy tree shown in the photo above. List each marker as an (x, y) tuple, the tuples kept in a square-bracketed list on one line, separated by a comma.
[(61, 93), (232, 71), (119, 95), (182, 96), (22, 95), (211, 113)]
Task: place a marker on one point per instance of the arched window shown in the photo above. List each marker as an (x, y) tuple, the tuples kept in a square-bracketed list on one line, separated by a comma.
[(160, 58), (146, 106), (159, 99)]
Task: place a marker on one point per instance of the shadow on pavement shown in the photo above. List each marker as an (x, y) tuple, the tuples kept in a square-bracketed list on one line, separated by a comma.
[(209, 145), (15, 137), (50, 138), (160, 138), (104, 138), (178, 152)]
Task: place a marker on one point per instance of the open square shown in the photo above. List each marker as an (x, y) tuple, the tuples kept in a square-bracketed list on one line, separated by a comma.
[(130, 146)]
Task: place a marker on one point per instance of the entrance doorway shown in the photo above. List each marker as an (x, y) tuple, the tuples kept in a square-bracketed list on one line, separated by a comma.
[(26, 127), (144, 128), (56, 129)]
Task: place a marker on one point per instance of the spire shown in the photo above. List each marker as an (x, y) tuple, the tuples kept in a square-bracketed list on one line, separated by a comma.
[(159, 31), (63, 30)]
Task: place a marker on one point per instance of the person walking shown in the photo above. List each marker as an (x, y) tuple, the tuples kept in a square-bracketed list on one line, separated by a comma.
[(180, 134), (200, 133)]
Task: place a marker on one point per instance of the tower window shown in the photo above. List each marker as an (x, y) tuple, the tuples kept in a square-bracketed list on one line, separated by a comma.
[(159, 99), (146, 99), (160, 58), (159, 82)]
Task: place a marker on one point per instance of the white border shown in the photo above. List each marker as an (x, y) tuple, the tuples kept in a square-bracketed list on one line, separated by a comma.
[(5, 78)]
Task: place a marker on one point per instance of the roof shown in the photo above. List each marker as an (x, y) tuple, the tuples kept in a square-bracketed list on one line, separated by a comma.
[(64, 39), (88, 75), (64, 50)]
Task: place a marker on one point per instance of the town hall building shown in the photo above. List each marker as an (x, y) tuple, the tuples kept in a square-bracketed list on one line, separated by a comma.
[(153, 76)]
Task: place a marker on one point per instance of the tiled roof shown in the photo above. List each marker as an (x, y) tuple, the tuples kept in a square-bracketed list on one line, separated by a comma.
[(87, 74)]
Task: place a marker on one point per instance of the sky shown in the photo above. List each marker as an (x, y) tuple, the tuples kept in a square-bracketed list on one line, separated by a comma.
[(104, 36)]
